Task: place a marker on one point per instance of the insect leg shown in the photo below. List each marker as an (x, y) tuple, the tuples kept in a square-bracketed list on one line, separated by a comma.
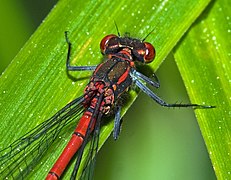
[(145, 78), (117, 123), (75, 68), (146, 90)]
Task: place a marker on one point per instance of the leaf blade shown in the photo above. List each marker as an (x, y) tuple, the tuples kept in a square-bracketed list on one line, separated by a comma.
[(203, 61)]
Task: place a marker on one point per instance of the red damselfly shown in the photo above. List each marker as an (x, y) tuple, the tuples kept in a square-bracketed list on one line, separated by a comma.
[(110, 80)]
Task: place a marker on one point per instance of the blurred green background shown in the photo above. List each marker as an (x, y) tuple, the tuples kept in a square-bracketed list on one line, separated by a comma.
[(155, 142)]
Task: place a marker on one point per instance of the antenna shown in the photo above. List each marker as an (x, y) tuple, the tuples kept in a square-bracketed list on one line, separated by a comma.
[(117, 28), (147, 35)]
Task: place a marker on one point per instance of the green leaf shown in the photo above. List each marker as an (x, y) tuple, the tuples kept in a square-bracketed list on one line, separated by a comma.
[(203, 58), (36, 85)]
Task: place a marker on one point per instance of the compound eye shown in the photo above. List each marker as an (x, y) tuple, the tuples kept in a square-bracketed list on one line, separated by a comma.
[(149, 52), (104, 42)]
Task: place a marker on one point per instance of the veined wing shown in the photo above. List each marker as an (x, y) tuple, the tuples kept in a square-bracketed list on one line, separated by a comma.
[(17, 160)]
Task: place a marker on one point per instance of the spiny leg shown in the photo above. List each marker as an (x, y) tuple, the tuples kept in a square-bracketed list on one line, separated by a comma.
[(75, 68), (117, 122), (147, 91), (135, 74)]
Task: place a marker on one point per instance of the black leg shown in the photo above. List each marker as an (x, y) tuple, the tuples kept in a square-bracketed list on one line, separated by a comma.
[(117, 122), (163, 103), (75, 68), (145, 78)]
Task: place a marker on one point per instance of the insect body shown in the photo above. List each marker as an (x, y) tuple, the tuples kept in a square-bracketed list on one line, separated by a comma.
[(109, 81)]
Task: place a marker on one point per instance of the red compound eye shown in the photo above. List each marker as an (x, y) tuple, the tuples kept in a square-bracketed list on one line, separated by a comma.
[(104, 42), (149, 52)]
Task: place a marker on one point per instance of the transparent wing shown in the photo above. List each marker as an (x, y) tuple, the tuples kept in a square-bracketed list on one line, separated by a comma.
[(85, 155), (18, 159), (90, 156)]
